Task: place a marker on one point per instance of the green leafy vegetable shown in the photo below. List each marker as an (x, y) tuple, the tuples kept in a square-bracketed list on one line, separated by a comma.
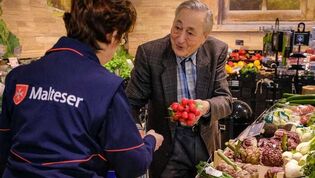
[(119, 64), (309, 167), (8, 39)]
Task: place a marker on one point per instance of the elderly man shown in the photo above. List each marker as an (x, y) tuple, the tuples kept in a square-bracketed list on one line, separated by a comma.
[(187, 63)]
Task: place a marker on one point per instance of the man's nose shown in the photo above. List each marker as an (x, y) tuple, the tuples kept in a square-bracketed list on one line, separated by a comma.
[(181, 37)]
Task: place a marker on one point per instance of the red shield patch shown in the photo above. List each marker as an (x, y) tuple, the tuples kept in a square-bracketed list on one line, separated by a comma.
[(20, 93)]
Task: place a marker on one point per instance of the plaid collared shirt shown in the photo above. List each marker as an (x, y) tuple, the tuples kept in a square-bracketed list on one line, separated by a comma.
[(186, 80)]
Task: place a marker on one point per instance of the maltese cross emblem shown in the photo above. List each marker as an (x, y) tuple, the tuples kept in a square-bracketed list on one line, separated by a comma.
[(20, 93)]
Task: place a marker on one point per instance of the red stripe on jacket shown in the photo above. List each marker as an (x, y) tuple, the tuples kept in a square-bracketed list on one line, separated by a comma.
[(60, 162), (65, 49), (74, 161), (125, 149)]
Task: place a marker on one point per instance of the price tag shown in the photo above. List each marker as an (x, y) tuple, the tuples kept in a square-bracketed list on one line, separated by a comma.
[(239, 42), (252, 131), (13, 62), (256, 129), (243, 134), (235, 83)]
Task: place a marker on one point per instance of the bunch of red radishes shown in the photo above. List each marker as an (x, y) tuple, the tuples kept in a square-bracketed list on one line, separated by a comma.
[(186, 112)]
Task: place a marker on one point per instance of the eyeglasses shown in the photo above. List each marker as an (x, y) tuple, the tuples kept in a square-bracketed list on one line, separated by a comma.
[(123, 39)]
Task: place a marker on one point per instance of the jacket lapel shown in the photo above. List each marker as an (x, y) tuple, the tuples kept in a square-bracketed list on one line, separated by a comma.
[(169, 76), (203, 74)]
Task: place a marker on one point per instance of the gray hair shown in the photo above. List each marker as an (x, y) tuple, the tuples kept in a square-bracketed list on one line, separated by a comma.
[(198, 6)]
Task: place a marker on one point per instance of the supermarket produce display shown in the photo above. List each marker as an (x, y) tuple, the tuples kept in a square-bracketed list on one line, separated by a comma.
[(271, 131), (244, 61), (285, 146)]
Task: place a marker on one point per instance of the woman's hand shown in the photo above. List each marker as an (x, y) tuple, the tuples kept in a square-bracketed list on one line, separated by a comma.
[(158, 138)]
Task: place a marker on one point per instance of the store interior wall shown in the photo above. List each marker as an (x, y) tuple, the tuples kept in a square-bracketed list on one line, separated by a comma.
[(38, 26), (155, 21)]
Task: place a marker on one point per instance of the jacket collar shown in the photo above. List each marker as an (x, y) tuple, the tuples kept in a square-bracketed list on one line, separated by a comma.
[(71, 44)]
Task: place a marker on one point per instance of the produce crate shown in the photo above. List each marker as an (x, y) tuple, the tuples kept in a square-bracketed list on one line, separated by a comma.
[(261, 169), (254, 129)]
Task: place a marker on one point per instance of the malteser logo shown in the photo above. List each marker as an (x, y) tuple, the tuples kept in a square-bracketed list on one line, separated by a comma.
[(20, 93), (55, 96), (40, 94)]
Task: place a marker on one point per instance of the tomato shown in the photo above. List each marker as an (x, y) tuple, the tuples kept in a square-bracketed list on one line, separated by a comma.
[(258, 56), (241, 52)]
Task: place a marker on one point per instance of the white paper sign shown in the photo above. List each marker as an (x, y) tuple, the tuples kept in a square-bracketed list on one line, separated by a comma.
[(13, 62)]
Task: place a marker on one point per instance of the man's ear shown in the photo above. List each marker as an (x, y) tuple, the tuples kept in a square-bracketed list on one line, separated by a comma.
[(206, 34)]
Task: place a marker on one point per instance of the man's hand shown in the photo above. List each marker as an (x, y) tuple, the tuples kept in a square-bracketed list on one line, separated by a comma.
[(158, 138), (204, 107)]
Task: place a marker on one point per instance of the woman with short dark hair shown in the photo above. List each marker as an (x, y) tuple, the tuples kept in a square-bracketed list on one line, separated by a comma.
[(91, 21), (65, 115)]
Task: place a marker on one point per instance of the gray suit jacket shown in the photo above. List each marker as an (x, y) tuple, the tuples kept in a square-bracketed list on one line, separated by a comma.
[(154, 81)]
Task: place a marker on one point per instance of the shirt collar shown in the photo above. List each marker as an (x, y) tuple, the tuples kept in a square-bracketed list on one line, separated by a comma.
[(193, 58)]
